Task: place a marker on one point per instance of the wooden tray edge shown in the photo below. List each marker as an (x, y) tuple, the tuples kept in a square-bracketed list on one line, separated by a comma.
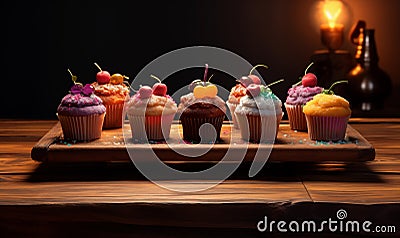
[(39, 151)]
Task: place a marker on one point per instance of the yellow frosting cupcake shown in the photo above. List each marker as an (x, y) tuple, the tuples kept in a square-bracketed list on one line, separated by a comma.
[(327, 105), (327, 115)]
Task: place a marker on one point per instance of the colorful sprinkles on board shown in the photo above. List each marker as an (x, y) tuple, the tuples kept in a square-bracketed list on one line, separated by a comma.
[(286, 139), (305, 141)]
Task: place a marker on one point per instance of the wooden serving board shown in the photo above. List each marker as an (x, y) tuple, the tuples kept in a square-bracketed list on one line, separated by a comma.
[(290, 146)]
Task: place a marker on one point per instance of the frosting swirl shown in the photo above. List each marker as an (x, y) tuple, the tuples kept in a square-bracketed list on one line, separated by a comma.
[(190, 101), (264, 104), (300, 95), (153, 106), (327, 105), (236, 93), (80, 105), (111, 93)]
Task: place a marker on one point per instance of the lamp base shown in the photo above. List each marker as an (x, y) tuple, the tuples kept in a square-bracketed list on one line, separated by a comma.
[(332, 66)]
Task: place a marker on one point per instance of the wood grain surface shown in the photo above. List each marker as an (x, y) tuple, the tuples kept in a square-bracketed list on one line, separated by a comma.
[(115, 200)]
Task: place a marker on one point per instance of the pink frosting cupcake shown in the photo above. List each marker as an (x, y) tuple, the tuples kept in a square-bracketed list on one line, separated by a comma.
[(151, 112)]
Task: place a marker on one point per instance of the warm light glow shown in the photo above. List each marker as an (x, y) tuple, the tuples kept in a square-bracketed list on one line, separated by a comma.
[(332, 14), (356, 70), (332, 10), (360, 41)]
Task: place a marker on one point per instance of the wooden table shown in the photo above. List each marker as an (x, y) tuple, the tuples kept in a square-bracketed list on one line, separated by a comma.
[(114, 199)]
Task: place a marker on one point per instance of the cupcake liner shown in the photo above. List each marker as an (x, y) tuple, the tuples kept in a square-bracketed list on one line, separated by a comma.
[(82, 128), (256, 128), (150, 127), (232, 108), (297, 119), (326, 128), (191, 128), (113, 118)]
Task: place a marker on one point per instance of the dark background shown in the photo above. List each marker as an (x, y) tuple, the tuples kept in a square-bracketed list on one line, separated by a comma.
[(41, 39)]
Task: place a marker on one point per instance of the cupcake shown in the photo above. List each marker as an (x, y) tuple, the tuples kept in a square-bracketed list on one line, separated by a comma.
[(327, 116), (259, 114), (81, 113), (202, 106), (151, 112), (114, 93), (239, 91), (297, 97)]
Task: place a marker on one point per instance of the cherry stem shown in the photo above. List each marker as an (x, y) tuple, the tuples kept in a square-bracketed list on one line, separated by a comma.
[(205, 73), (125, 77), (71, 74), (210, 77), (98, 66), (155, 77), (280, 80), (130, 86), (73, 77), (305, 72), (335, 83), (259, 65), (294, 85)]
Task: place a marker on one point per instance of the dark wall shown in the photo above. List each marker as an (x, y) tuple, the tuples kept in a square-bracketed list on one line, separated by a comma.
[(42, 39)]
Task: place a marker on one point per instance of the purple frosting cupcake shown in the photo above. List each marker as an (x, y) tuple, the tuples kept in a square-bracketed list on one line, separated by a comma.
[(81, 113), (300, 95), (80, 105), (297, 97)]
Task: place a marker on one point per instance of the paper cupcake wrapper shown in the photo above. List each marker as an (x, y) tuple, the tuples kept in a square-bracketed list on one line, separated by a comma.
[(256, 128), (113, 118), (297, 119), (326, 128), (150, 127), (191, 128), (82, 128), (232, 108)]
